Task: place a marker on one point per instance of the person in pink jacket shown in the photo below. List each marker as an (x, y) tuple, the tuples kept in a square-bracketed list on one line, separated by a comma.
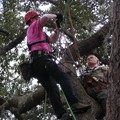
[(45, 68)]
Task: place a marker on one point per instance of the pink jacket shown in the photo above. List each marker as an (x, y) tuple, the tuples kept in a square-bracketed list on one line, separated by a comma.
[(34, 34)]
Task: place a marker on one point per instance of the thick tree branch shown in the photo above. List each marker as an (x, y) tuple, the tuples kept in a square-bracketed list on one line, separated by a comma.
[(4, 32), (19, 105), (13, 44), (90, 43)]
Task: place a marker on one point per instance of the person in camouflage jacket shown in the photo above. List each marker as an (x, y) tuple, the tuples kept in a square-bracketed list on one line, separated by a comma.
[(95, 82)]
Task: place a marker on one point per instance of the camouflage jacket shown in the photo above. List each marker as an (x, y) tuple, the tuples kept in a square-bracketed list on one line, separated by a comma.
[(94, 80)]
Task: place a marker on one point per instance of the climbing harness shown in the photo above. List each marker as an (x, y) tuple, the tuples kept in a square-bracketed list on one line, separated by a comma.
[(39, 42)]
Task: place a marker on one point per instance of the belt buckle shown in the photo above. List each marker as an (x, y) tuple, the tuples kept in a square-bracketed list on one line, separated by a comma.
[(39, 52)]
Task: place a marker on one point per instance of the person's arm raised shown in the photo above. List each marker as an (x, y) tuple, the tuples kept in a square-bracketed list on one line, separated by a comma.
[(45, 18)]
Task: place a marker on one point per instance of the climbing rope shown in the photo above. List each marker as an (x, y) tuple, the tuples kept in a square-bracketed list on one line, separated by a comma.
[(67, 8), (65, 11), (73, 33), (45, 104), (68, 105)]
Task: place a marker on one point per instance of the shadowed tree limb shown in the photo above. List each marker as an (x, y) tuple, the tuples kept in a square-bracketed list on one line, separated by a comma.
[(13, 44), (19, 105), (4, 32), (87, 45)]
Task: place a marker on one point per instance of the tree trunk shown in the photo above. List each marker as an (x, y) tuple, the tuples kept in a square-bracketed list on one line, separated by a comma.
[(81, 94), (113, 104)]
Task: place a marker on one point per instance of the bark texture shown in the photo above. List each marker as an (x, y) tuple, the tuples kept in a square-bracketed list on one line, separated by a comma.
[(113, 104)]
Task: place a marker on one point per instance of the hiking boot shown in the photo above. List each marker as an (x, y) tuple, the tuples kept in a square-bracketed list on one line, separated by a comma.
[(80, 107), (66, 116)]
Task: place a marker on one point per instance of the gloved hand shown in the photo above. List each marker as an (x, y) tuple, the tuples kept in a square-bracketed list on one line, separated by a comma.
[(58, 23), (59, 19)]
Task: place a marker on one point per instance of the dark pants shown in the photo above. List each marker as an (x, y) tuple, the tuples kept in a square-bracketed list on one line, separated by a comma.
[(101, 97), (49, 74)]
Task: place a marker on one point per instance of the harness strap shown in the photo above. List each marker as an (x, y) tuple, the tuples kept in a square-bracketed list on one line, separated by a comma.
[(41, 41), (30, 45)]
